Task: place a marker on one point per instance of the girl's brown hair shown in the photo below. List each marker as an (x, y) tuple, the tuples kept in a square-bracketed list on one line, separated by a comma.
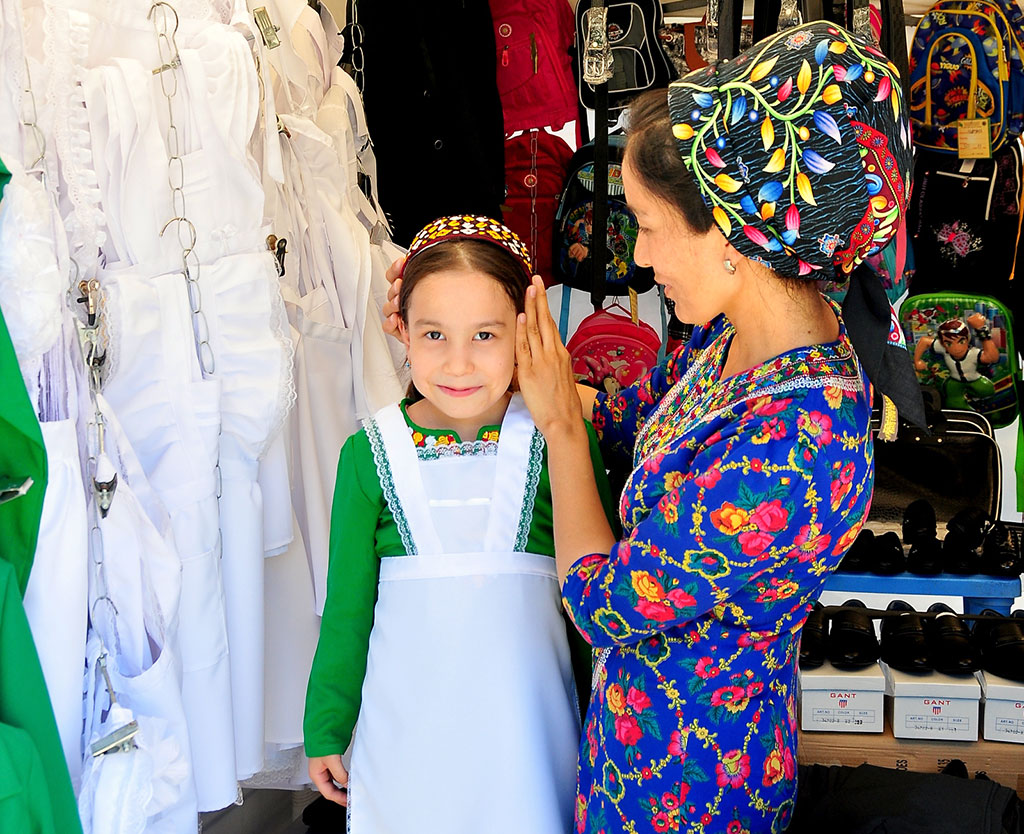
[(471, 255)]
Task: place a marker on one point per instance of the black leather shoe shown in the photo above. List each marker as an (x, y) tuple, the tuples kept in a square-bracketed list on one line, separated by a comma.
[(851, 639), (918, 522), (887, 555), (858, 558), (999, 555), (949, 643), (1001, 643), (925, 557), (814, 638), (971, 525), (904, 645), (958, 556)]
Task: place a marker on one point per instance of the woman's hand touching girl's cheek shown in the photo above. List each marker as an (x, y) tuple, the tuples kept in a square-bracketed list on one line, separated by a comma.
[(544, 369)]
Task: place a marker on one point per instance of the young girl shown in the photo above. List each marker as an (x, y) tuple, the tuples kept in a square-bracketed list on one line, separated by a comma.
[(443, 630)]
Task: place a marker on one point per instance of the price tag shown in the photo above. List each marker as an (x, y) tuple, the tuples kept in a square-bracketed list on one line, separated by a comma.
[(974, 139)]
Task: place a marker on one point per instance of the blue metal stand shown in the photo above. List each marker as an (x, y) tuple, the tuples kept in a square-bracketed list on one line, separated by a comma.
[(979, 591)]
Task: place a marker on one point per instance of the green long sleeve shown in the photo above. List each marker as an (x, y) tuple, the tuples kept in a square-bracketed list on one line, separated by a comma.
[(336, 679)]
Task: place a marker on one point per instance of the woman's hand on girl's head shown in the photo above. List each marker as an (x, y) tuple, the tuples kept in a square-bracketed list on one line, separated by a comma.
[(325, 771), (544, 369), (390, 310)]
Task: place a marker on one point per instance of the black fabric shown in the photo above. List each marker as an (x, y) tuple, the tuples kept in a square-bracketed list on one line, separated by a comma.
[(964, 223), (890, 368), (433, 110), (876, 800)]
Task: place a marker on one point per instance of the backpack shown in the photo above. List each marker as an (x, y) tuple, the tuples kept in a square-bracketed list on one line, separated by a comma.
[(965, 63), (535, 166), (964, 223), (533, 39), (572, 227), (612, 350), (968, 381), (638, 61)]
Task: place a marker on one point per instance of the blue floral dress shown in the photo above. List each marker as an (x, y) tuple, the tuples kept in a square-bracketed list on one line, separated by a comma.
[(744, 495)]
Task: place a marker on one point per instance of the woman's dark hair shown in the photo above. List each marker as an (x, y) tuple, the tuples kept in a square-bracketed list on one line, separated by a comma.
[(652, 152), (654, 156), (472, 255)]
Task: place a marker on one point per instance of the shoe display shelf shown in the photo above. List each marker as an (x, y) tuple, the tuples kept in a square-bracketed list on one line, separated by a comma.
[(979, 591)]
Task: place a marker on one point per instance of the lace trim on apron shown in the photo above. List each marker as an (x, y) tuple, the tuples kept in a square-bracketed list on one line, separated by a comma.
[(530, 493), (387, 483)]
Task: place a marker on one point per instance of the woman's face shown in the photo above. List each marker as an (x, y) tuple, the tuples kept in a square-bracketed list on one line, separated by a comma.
[(687, 263)]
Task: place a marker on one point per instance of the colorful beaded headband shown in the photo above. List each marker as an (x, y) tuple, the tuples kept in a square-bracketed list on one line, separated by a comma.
[(470, 227)]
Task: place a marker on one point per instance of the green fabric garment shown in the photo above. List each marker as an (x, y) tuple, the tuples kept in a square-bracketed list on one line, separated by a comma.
[(5, 177), (363, 531), (25, 704), (22, 455), (24, 796)]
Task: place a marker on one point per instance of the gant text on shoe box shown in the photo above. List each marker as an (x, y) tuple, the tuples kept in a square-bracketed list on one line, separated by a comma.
[(934, 706), (1004, 709), (842, 702)]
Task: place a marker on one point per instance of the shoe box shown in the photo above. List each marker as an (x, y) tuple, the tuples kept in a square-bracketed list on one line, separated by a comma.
[(1002, 763), (842, 701), (933, 705), (1004, 709)]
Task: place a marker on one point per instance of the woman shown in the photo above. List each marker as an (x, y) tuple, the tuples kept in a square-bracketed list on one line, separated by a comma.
[(750, 448)]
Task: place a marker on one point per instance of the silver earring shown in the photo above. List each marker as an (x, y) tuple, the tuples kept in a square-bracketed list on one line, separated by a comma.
[(407, 365), (727, 263)]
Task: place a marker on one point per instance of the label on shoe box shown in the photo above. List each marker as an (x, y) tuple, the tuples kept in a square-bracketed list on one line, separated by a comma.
[(934, 706), (842, 702), (1004, 709)]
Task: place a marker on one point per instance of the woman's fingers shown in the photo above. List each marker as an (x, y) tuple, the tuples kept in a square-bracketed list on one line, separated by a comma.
[(390, 308), (524, 356), (394, 272), (545, 324), (533, 332)]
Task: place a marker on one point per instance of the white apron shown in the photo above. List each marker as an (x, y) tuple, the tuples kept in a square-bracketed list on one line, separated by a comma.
[(469, 718)]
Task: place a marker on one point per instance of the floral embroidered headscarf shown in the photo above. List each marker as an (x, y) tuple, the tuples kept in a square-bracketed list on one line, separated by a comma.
[(801, 149)]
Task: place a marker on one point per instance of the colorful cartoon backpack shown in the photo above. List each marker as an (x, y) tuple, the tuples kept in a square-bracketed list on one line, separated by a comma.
[(571, 264), (963, 346), (965, 63), (612, 349)]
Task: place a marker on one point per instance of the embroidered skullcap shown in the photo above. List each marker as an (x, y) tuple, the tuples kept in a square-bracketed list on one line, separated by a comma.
[(470, 227), (801, 150)]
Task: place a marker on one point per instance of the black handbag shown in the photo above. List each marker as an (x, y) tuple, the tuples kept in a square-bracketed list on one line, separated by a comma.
[(957, 465)]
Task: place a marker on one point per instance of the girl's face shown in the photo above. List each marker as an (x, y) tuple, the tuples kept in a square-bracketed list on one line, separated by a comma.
[(460, 336)]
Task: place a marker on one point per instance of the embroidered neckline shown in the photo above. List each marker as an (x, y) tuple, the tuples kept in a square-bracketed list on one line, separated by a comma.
[(699, 396), (456, 449), (434, 438)]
